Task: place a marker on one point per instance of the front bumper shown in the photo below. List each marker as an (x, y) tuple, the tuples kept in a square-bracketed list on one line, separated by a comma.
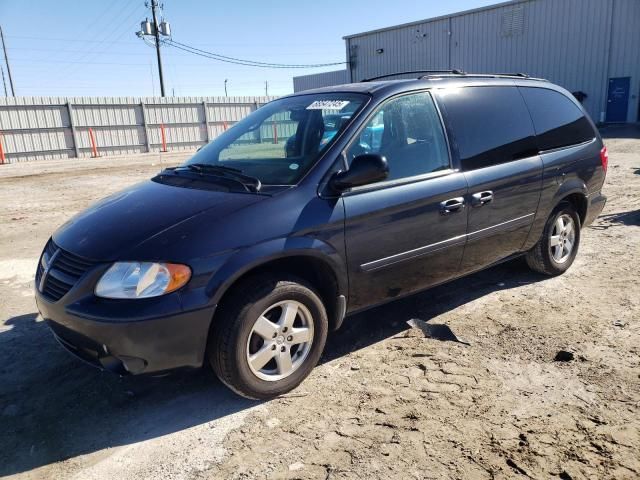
[(134, 337)]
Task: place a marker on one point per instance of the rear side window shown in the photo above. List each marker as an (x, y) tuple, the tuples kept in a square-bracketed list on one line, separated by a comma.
[(557, 120), (491, 125)]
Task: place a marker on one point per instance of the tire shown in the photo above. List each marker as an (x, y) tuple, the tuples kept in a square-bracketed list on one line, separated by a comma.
[(545, 257), (236, 349)]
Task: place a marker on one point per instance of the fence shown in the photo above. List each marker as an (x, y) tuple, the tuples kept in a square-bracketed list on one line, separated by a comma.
[(37, 128)]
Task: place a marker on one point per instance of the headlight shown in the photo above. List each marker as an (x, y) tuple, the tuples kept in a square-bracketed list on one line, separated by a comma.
[(142, 279)]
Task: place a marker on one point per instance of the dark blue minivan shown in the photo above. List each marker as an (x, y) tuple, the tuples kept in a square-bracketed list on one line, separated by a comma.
[(316, 206)]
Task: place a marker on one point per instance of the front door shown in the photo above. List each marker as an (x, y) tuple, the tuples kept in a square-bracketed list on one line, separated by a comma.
[(407, 232), (618, 99)]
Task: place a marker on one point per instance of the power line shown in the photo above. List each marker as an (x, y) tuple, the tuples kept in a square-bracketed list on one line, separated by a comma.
[(216, 44), (240, 61), (217, 56), (107, 38), (38, 62), (90, 29), (4, 82), (6, 60), (90, 26), (57, 39), (64, 50), (59, 50)]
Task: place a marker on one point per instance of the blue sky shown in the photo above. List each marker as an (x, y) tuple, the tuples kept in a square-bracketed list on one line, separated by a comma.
[(88, 47)]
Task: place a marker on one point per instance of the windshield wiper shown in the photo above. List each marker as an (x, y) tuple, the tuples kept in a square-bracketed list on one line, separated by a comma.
[(253, 184), (209, 167)]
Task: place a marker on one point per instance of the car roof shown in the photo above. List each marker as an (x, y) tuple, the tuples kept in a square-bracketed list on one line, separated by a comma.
[(389, 87)]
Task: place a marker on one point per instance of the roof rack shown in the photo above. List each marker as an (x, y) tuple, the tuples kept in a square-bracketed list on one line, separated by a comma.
[(519, 74), (495, 75), (454, 72), (412, 72)]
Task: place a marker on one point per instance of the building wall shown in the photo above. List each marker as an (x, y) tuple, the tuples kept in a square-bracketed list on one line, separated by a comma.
[(578, 44), (317, 80), (625, 50), (420, 46), (36, 128)]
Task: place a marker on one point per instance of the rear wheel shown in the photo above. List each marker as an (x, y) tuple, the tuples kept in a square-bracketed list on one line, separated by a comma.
[(268, 336), (557, 248)]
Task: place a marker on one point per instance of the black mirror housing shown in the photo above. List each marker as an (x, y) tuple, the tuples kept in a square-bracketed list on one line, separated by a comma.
[(365, 169)]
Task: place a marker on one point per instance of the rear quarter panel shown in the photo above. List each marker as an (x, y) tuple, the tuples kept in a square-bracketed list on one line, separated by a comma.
[(576, 169)]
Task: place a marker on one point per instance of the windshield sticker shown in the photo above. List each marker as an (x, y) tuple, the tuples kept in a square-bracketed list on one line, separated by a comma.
[(328, 105), (294, 166)]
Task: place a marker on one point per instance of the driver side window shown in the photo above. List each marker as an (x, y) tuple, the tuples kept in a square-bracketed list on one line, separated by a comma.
[(408, 132)]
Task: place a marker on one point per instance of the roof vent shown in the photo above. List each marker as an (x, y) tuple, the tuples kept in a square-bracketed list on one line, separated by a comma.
[(513, 22)]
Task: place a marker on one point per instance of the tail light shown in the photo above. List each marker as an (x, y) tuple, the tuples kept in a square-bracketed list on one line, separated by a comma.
[(604, 158)]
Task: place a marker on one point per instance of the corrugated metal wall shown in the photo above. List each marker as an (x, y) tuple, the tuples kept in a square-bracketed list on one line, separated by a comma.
[(625, 50), (416, 47), (564, 41), (36, 128), (317, 80), (578, 44)]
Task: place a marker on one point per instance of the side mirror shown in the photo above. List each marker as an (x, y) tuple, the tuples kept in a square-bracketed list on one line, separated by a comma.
[(365, 169)]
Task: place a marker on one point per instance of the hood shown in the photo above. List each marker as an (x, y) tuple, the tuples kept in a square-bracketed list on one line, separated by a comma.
[(114, 226)]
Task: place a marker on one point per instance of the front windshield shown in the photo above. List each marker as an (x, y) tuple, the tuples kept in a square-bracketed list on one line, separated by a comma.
[(281, 141)]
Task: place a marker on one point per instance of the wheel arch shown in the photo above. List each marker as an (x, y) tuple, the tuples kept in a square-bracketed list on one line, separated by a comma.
[(579, 202), (321, 266), (573, 191), (576, 193)]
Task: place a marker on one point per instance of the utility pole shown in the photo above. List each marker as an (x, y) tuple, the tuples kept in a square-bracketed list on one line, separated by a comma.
[(156, 32), (266, 88), (155, 29), (225, 87), (6, 59), (4, 82)]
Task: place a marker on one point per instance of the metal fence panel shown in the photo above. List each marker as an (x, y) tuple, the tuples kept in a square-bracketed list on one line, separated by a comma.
[(106, 115), (39, 128)]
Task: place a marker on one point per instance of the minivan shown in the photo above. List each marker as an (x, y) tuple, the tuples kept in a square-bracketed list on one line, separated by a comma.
[(316, 206)]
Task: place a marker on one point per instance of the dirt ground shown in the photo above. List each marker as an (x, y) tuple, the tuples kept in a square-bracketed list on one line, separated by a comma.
[(385, 402)]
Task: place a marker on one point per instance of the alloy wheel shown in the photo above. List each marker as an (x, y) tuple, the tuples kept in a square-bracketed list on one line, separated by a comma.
[(280, 340), (562, 239)]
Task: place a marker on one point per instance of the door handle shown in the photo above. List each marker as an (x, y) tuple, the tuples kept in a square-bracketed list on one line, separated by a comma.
[(480, 198), (452, 205)]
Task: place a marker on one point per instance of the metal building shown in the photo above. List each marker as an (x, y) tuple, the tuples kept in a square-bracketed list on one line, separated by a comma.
[(305, 82), (589, 46)]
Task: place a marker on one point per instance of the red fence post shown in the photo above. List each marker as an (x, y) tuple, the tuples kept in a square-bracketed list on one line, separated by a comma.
[(2, 157), (164, 138), (94, 148), (275, 132)]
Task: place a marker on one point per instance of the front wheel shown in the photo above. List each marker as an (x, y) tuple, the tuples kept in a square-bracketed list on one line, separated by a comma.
[(268, 336), (557, 249)]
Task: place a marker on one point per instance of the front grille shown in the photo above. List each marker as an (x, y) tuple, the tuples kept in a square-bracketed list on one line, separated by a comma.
[(60, 269), (49, 249)]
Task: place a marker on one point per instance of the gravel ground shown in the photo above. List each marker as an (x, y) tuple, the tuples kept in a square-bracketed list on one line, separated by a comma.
[(486, 401)]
